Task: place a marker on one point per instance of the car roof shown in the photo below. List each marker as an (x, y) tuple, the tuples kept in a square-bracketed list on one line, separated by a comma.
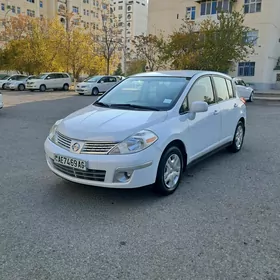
[(178, 73)]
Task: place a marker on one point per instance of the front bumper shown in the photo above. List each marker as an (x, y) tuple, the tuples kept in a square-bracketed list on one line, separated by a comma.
[(142, 166), (85, 91), (33, 87)]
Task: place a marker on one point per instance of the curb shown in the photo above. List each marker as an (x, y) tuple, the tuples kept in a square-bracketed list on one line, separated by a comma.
[(267, 98)]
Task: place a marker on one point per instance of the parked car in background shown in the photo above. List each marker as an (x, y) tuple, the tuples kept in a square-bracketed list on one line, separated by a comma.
[(96, 84), (19, 84), (147, 130), (7, 79), (48, 81), (1, 101), (244, 90)]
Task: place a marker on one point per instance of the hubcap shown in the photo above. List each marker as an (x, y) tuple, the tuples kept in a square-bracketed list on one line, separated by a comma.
[(239, 137), (252, 96), (172, 171)]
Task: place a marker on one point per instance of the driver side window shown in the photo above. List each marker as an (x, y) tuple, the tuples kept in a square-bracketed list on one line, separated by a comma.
[(202, 90)]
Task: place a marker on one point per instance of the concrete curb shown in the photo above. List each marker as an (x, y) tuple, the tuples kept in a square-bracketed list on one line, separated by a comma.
[(276, 98)]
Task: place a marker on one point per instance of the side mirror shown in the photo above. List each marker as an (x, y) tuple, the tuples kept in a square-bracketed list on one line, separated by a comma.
[(199, 107)]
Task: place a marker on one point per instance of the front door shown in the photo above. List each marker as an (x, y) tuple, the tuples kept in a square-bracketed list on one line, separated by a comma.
[(204, 131), (51, 81)]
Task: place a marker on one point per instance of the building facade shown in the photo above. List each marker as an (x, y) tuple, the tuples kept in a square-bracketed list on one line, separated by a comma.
[(132, 17), (262, 69)]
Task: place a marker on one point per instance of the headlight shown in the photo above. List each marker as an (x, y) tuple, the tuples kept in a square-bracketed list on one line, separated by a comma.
[(52, 133), (135, 143)]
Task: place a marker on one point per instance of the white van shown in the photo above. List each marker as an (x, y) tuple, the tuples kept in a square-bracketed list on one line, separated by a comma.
[(47, 81)]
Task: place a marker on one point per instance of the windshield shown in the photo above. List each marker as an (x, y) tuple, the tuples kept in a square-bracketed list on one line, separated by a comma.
[(41, 76), (4, 76), (160, 93), (92, 79)]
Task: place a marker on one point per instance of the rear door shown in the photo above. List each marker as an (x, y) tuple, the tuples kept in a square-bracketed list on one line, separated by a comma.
[(228, 106)]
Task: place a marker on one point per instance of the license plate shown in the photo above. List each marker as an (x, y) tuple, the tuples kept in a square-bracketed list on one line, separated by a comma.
[(70, 162)]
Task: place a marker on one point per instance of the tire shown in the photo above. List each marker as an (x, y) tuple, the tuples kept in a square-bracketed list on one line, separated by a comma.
[(251, 99), (21, 87), (164, 186), (65, 87), (95, 91), (42, 88), (3, 86), (237, 142)]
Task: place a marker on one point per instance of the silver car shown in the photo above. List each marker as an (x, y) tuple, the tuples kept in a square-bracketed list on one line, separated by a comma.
[(95, 85), (18, 84), (244, 90)]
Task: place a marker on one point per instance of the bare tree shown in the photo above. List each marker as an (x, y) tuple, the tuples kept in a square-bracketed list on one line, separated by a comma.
[(109, 37)]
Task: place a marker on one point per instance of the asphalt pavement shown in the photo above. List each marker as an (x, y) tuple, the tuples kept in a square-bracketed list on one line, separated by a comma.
[(222, 223)]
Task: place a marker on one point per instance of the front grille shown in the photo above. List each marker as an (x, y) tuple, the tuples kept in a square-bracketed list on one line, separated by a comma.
[(97, 147), (63, 141), (90, 174), (101, 148)]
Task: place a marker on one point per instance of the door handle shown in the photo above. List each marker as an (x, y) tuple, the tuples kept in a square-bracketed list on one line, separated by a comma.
[(216, 112), (235, 104)]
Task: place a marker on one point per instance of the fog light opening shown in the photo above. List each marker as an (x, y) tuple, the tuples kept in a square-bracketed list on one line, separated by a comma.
[(123, 176)]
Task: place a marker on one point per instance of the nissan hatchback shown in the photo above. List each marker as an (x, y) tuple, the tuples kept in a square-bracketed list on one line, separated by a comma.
[(147, 130)]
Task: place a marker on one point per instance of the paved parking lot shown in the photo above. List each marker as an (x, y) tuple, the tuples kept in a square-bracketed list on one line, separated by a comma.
[(222, 223)]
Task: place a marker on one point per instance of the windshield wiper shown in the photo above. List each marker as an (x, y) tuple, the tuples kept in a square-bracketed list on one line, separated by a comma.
[(102, 104), (134, 106)]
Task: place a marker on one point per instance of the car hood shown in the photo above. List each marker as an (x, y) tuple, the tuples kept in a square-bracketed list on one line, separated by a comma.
[(94, 123)]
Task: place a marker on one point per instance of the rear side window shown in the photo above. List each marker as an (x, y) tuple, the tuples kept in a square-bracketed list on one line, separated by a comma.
[(112, 79), (230, 89), (65, 75), (58, 76), (221, 88)]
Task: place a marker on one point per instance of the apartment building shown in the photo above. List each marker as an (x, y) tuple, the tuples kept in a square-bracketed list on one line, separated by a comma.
[(262, 69), (132, 16), (85, 11)]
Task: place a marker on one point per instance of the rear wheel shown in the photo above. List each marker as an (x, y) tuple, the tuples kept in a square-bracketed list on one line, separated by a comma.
[(42, 88), (95, 91), (251, 99), (21, 87), (65, 87), (238, 139), (170, 171)]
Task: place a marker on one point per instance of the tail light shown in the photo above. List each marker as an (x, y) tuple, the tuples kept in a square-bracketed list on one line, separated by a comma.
[(243, 100)]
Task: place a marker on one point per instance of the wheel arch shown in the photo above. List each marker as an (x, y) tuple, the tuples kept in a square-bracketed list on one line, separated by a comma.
[(179, 144)]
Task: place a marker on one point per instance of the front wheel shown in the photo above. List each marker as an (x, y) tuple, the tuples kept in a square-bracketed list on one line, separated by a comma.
[(21, 87), (170, 171), (238, 139), (95, 91), (42, 88), (3, 86)]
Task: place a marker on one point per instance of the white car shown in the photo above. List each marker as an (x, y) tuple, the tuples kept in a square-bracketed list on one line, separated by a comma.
[(244, 90), (48, 81), (95, 85), (1, 101), (148, 135), (7, 79), (19, 84)]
